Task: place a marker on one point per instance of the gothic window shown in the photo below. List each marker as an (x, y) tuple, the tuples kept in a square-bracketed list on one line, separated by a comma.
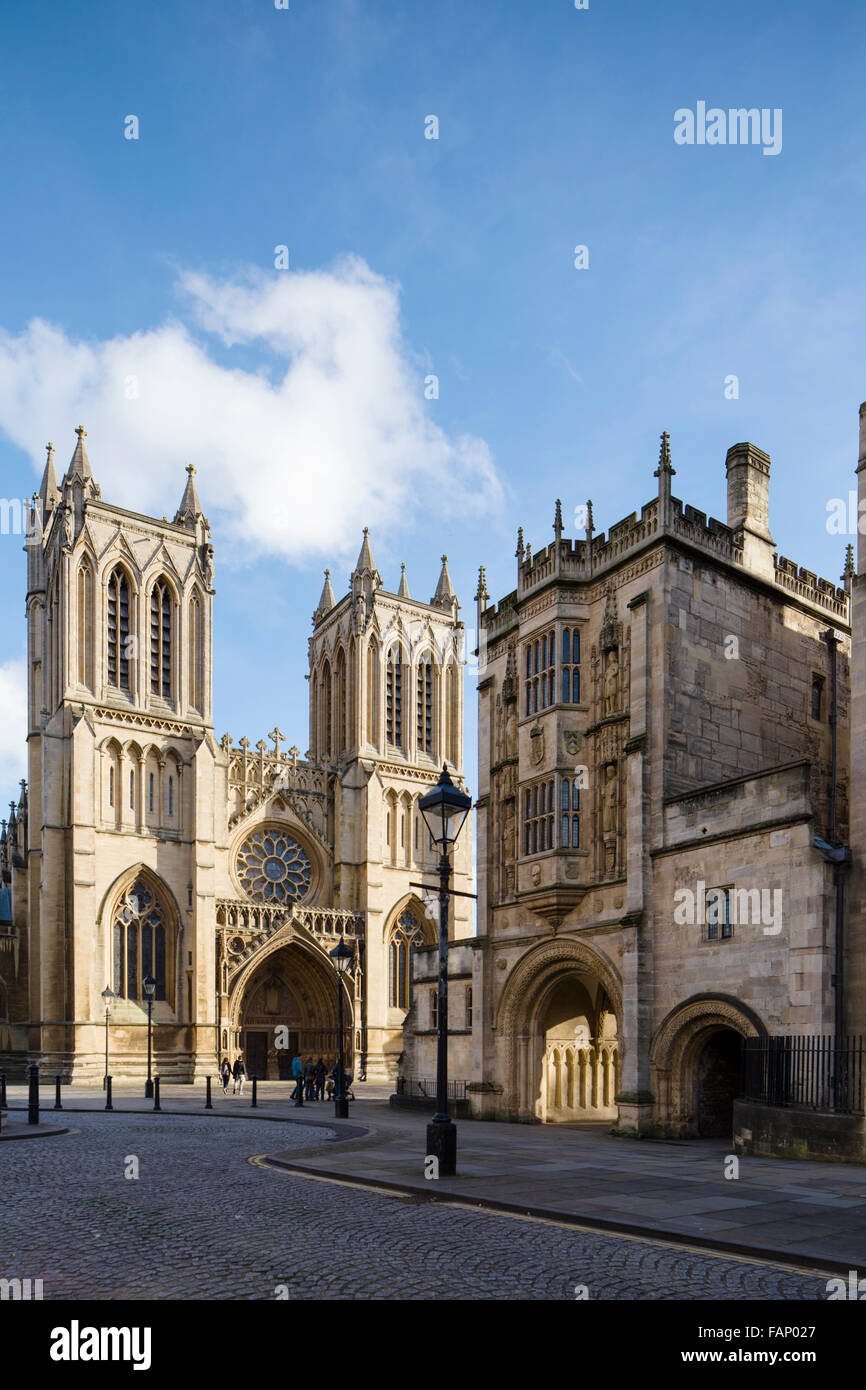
[(111, 786), (340, 703), (373, 694), (150, 793), (424, 703), (139, 943), (394, 700), (406, 936), (326, 711), (85, 626), (468, 1006), (118, 630), (570, 667), (570, 826), (160, 640), (452, 715), (540, 683), (171, 796), (196, 654), (132, 791), (273, 868), (539, 810), (434, 1008)]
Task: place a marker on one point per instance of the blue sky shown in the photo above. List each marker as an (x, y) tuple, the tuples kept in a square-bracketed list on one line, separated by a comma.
[(299, 394)]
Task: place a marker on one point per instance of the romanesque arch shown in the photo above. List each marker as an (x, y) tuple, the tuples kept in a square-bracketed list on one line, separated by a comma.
[(677, 1049), (548, 1076)]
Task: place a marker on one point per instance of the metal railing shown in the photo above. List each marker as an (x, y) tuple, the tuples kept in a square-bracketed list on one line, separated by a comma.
[(808, 1072), (426, 1086)]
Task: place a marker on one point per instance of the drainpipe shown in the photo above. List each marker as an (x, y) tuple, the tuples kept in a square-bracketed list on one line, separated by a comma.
[(837, 854)]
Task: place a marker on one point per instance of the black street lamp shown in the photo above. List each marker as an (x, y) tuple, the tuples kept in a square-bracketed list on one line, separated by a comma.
[(444, 809), (149, 984), (342, 957), (109, 996)]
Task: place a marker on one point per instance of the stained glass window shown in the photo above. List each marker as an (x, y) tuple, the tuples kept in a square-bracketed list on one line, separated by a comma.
[(273, 868), (138, 943)]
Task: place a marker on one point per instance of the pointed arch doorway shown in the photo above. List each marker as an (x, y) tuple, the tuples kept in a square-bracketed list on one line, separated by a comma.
[(287, 1003)]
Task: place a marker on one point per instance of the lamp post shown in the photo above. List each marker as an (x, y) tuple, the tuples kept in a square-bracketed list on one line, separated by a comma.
[(149, 984), (342, 957), (444, 809), (109, 996)]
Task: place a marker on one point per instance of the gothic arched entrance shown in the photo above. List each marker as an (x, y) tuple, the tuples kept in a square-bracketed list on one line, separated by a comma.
[(696, 1063), (558, 1027), (286, 1004)]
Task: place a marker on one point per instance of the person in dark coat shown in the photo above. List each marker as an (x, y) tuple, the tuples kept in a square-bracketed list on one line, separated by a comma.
[(225, 1074), (309, 1078), (321, 1073), (239, 1072), (298, 1074)]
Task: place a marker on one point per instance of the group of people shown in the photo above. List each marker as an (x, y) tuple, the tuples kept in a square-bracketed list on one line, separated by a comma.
[(238, 1072), (312, 1079)]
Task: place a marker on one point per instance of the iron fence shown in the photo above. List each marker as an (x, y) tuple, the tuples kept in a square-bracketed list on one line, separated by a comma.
[(426, 1086), (810, 1072)]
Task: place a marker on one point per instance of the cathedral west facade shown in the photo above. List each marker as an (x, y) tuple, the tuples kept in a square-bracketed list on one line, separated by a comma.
[(144, 847)]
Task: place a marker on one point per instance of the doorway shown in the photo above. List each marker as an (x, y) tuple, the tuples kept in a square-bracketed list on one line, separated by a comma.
[(718, 1083), (257, 1055)]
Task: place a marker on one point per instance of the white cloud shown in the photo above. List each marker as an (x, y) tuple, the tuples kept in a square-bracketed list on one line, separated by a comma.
[(13, 730), (304, 413)]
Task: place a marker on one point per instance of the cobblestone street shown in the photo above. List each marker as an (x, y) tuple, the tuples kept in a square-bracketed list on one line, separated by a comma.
[(203, 1222)]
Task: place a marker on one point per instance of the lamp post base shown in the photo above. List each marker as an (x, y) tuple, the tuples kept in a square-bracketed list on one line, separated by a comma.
[(442, 1145), (148, 1090), (341, 1108)]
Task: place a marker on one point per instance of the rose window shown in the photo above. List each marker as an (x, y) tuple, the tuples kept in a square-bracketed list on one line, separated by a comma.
[(272, 867)]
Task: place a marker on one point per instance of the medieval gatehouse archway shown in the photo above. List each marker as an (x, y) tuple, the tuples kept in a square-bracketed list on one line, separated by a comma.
[(559, 1025), (695, 1063)]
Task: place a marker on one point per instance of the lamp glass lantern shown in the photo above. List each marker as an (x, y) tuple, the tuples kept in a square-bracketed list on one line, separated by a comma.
[(342, 956), (445, 809), (149, 985), (109, 996)]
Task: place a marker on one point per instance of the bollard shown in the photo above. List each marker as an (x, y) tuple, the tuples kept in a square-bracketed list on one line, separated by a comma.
[(255, 1102), (57, 1102), (156, 1104), (33, 1098), (208, 1105), (3, 1105), (108, 1104)]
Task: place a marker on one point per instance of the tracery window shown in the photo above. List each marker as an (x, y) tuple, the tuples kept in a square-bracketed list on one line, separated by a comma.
[(539, 810), (394, 700), (424, 703), (405, 938), (139, 943), (118, 630), (540, 682), (273, 868), (570, 824), (85, 626), (160, 640), (570, 667), (196, 654)]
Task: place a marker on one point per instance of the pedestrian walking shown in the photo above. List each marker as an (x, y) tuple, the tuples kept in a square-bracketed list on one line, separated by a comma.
[(321, 1074), (298, 1074), (225, 1074), (239, 1072), (309, 1078)]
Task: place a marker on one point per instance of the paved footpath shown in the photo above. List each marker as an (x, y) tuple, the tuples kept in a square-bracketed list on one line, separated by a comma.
[(202, 1221)]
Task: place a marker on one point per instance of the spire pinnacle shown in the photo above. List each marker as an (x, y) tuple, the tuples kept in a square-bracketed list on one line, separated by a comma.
[(444, 596), (482, 584), (189, 510), (403, 590), (519, 552), (665, 457), (327, 601), (79, 464), (49, 492), (557, 520)]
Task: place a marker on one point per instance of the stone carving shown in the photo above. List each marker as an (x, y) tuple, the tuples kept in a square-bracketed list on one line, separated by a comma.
[(609, 800), (536, 746), (573, 741), (611, 682)]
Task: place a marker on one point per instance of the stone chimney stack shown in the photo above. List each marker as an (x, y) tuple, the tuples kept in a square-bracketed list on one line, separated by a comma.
[(748, 470)]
